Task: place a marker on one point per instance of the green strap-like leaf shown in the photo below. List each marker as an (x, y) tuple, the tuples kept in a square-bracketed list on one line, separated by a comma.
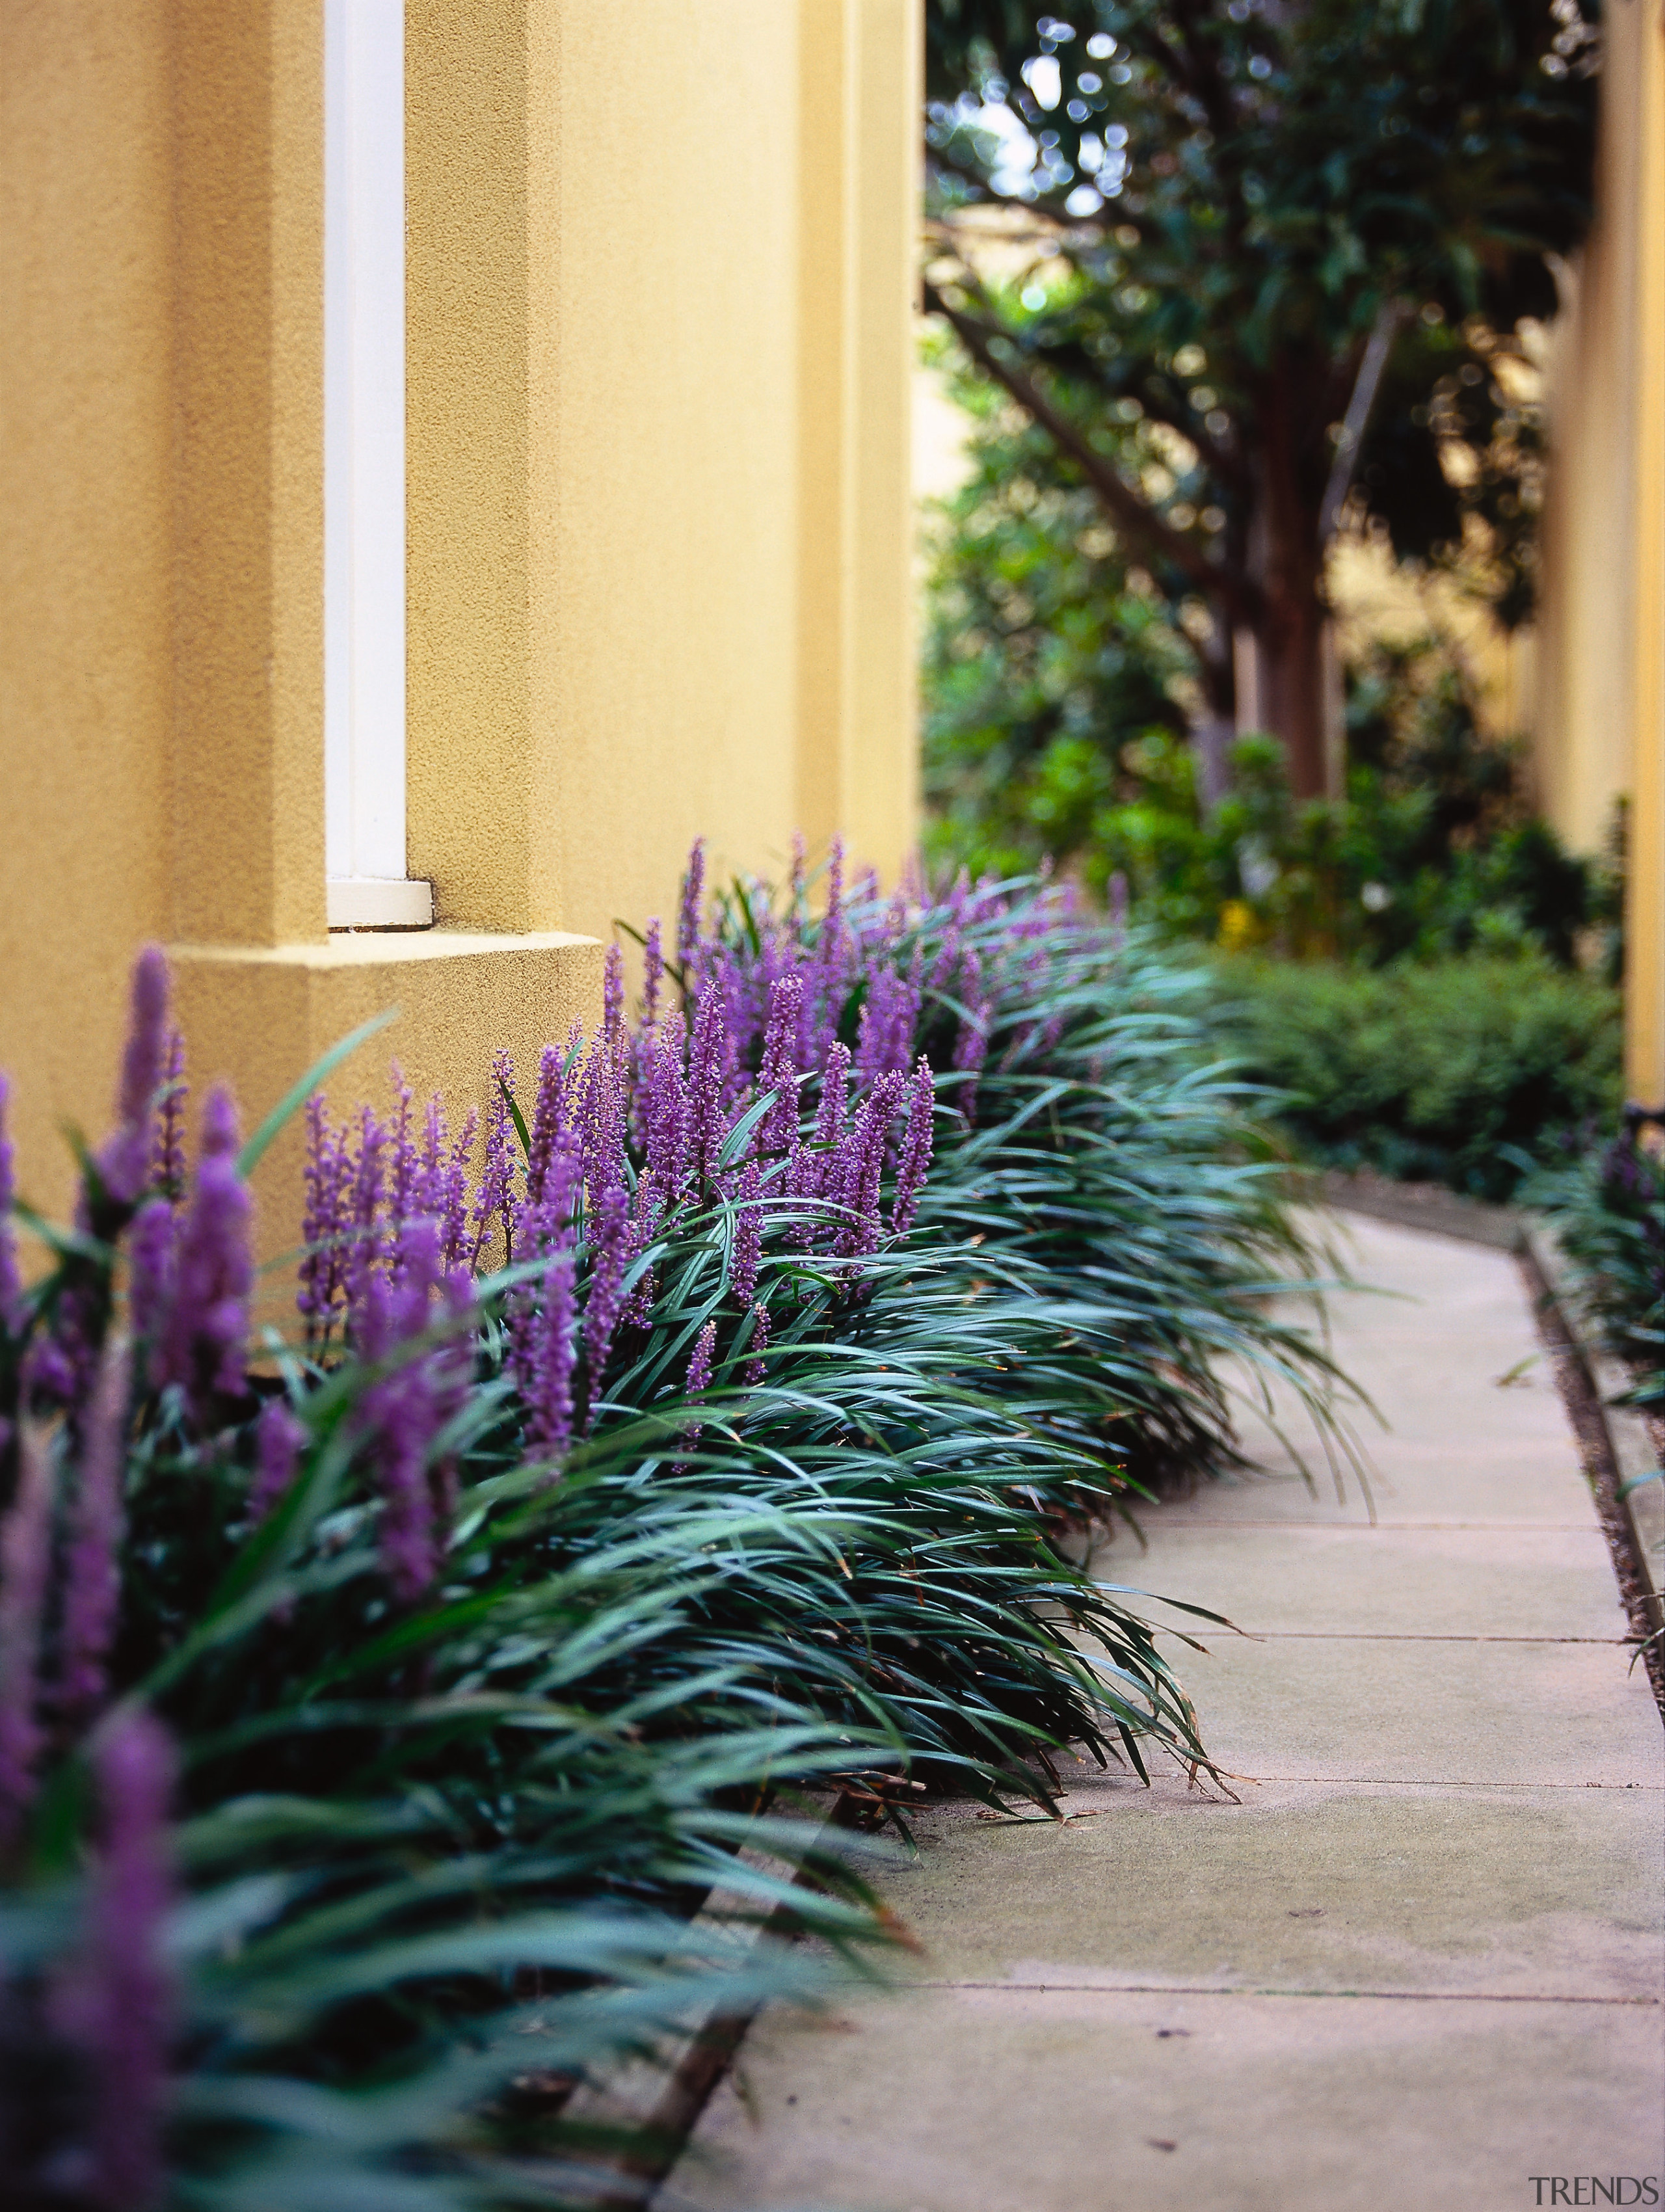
[(249, 1159)]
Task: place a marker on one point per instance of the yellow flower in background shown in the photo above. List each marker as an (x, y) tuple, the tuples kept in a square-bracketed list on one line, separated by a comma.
[(1238, 927)]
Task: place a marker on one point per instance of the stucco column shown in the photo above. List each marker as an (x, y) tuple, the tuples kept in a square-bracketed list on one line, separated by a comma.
[(247, 755), (1644, 985), (859, 184)]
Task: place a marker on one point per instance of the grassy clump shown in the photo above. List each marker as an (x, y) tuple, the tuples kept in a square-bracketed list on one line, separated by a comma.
[(399, 1688), (1606, 1205), (1447, 1073), (1094, 1150)]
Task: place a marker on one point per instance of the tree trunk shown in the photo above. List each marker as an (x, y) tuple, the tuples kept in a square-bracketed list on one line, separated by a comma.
[(1292, 686), (1290, 569), (1214, 728)]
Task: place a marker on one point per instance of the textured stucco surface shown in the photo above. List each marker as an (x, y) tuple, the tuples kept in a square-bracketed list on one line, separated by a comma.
[(659, 580), (85, 580), (259, 1019), (160, 493), (641, 402), (1601, 702)]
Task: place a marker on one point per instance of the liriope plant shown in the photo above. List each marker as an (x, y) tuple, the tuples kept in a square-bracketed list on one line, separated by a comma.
[(1606, 1205), (1090, 1143), (375, 1705), (348, 1810)]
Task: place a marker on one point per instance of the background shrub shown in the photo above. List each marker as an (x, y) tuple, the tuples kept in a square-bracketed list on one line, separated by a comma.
[(1607, 1206), (1450, 1073)]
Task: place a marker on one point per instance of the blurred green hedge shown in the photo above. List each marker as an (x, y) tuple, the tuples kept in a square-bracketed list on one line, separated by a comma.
[(1431, 1071)]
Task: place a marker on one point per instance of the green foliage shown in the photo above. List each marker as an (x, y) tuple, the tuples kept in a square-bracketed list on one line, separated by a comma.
[(438, 1852), (1240, 195), (1106, 1174), (1448, 1072), (1606, 1205), (1040, 662), (1052, 734)]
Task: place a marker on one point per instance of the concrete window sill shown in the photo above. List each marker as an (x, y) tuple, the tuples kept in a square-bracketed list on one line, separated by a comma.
[(379, 902)]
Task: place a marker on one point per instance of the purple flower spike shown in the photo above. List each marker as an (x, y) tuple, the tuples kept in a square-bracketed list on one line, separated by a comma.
[(699, 1382), (612, 997), (707, 1068), (11, 1285), (601, 1113), (693, 904), (324, 1227), (406, 1408), (818, 1175), (167, 1163), (653, 975), (779, 1072), (541, 1352), (496, 1199), (747, 1235), (453, 1212), (92, 1574), (363, 1222), (756, 1366), (124, 1160), (665, 1114), (889, 1018), (404, 1168), (25, 1561), (610, 1257), (700, 1360), (547, 1121), (278, 1437), (202, 1344), (128, 2003), (405, 1428), (548, 1385), (832, 924), (861, 1164), (947, 959), (915, 1161), (795, 886)]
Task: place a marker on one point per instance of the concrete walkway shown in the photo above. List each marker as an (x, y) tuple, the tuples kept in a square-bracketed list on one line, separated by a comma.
[(1418, 1964)]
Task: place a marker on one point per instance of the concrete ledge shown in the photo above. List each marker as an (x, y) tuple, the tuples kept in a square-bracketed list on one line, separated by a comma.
[(1633, 1455), (1427, 1205), (258, 1018)]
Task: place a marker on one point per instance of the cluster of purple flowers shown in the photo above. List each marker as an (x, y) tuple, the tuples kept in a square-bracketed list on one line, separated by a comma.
[(888, 971), (695, 1109), (190, 1277), (391, 1240), (117, 2002)]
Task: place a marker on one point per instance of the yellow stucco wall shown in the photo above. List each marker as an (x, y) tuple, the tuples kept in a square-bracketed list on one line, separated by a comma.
[(86, 657), (659, 264), (1601, 709), (644, 407)]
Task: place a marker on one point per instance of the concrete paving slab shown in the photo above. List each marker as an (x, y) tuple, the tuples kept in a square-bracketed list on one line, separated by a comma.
[(1446, 1348), (975, 2102), (1328, 1708), (1503, 1453), (1518, 1581), (1522, 1893)]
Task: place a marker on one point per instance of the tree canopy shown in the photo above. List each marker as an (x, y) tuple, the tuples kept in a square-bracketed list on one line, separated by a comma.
[(1281, 256)]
